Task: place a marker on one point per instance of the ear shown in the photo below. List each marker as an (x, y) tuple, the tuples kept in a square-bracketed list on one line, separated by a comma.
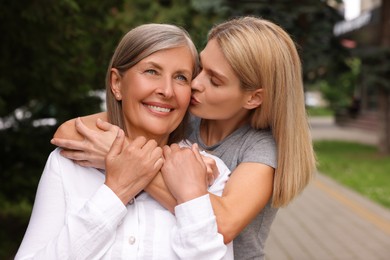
[(115, 83), (254, 99)]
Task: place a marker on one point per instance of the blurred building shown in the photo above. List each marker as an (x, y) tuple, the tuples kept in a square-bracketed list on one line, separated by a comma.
[(360, 32)]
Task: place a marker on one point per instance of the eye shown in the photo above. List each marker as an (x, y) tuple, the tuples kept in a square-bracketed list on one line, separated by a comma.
[(151, 72), (213, 82), (182, 78)]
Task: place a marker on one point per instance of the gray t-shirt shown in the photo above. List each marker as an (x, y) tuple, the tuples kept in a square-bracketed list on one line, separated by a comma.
[(245, 145)]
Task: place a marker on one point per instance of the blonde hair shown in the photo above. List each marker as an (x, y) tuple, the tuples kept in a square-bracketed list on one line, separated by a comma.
[(138, 44), (264, 56)]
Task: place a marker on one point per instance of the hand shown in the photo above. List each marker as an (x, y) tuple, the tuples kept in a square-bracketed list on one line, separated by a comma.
[(211, 169), (131, 166), (91, 151), (184, 172)]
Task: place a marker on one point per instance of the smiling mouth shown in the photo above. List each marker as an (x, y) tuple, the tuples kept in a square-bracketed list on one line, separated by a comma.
[(159, 109)]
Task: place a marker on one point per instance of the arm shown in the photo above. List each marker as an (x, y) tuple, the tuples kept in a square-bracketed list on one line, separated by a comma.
[(83, 140), (87, 141), (195, 235), (58, 231), (55, 233), (253, 181), (245, 194)]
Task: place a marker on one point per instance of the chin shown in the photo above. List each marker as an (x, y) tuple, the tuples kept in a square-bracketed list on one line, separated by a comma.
[(196, 112)]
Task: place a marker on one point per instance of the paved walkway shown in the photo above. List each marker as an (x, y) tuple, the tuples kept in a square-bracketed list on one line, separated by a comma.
[(328, 221)]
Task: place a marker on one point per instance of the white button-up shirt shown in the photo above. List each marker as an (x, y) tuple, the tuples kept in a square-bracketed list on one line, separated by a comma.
[(76, 216)]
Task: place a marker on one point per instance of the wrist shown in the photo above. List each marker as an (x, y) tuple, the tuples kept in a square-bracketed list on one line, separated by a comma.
[(190, 194)]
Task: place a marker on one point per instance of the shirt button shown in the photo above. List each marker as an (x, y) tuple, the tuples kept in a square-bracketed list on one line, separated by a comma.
[(131, 240)]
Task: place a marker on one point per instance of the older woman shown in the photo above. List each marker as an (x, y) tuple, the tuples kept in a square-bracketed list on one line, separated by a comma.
[(85, 213)]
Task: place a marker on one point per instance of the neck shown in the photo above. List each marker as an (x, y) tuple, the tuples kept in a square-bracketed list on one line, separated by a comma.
[(214, 131), (161, 140)]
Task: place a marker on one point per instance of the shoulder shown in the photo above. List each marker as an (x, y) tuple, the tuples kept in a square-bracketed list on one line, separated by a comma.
[(68, 170), (67, 130), (57, 163), (260, 146), (257, 139), (260, 134)]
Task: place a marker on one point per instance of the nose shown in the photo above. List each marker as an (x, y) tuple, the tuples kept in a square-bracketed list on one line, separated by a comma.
[(196, 83), (165, 88)]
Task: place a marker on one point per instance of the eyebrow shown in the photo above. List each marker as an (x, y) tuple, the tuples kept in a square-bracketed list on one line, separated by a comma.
[(153, 64), (158, 66), (213, 72)]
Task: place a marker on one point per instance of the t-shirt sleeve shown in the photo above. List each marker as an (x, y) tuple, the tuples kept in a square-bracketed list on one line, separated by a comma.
[(261, 149)]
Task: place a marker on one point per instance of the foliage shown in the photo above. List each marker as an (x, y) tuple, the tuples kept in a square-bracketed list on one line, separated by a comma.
[(310, 23), (52, 56), (376, 76), (340, 90), (357, 166)]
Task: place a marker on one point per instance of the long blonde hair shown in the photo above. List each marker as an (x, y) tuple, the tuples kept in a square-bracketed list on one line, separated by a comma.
[(138, 44), (264, 56)]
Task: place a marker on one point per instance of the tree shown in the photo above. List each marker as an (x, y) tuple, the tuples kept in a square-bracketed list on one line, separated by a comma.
[(310, 23), (384, 82), (53, 54)]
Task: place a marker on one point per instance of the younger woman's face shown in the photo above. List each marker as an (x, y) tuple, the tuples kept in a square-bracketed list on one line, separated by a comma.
[(155, 93), (216, 92)]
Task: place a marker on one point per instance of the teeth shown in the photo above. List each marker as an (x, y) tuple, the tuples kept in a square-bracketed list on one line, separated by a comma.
[(160, 109)]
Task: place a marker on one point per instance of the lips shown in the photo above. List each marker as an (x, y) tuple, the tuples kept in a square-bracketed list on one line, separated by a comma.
[(194, 101)]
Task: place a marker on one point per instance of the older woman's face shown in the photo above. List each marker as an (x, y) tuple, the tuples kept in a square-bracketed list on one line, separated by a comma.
[(156, 92)]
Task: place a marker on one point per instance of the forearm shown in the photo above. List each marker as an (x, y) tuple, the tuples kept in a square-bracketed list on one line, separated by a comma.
[(229, 221), (251, 181), (159, 191), (195, 235)]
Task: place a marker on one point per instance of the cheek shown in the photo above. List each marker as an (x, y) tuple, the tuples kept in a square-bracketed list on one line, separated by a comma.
[(213, 97), (183, 96)]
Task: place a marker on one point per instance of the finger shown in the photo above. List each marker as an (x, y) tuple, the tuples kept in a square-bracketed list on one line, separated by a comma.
[(166, 151), (83, 163), (211, 178), (157, 153), (72, 155), (175, 147), (139, 142), (105, 126), (149, 146), (82, 129), (67, 144), (195, 149), (116, 147), (159, 163)]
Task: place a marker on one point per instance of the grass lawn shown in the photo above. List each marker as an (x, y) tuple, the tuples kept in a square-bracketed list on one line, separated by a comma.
[(357, 166), (319, 111)]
